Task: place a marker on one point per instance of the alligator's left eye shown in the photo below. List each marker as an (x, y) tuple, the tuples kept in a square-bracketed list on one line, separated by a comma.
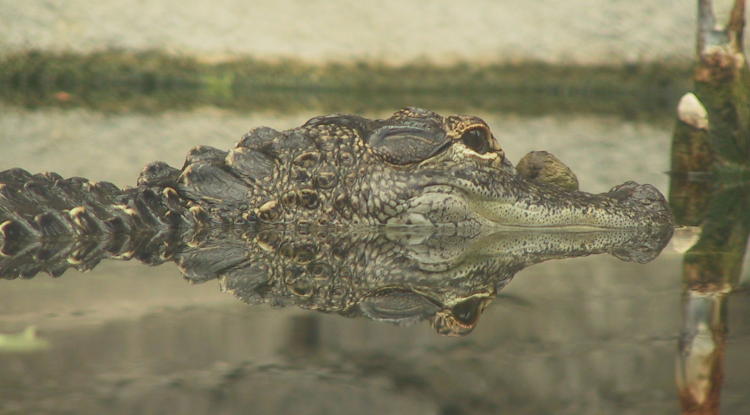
[(477, 139)]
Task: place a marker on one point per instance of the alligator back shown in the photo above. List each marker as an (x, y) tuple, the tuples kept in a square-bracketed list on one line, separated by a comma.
[(49, 223)]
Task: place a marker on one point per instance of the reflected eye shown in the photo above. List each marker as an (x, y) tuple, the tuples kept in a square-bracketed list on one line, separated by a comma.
[(477, 139), (467, 313)]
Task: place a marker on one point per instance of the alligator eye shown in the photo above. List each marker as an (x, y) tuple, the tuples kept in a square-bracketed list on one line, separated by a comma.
[(468, 312), (410, 143), (477, 139)]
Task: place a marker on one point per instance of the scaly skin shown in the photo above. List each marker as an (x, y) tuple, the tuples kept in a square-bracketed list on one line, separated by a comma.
[(415, 168)]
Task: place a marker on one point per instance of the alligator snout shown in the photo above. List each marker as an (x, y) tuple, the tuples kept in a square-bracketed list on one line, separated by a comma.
[(644, 196)]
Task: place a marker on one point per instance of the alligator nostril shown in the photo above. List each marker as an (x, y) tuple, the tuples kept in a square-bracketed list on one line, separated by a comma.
[(477, 139)]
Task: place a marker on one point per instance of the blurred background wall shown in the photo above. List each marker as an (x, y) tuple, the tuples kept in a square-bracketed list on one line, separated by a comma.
[(388, 31)]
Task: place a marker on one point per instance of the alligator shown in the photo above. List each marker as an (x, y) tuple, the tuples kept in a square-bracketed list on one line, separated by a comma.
[(413, 217), (416, 168)]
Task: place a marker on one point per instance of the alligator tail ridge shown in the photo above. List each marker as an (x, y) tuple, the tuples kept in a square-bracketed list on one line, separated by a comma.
[(73, 222)]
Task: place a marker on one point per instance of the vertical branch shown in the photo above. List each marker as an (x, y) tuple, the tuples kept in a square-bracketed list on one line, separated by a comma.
[(712, 33), (722, 81), (700, 361), (711, 138), (736, 25), (706, 24)]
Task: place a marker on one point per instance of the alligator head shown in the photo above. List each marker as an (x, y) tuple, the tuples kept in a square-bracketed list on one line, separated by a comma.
[(416, 167)]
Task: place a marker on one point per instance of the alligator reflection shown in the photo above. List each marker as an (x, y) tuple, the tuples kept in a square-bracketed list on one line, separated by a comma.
[(396, 275)]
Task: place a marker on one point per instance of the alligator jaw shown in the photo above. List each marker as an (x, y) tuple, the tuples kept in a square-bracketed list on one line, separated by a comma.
[(464, 188), (490, 198), (629, 205)]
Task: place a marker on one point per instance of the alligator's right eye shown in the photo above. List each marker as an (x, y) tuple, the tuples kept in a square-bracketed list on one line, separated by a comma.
[(477, 139)]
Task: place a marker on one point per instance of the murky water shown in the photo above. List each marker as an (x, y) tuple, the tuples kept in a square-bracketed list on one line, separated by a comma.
[(579, 335)]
